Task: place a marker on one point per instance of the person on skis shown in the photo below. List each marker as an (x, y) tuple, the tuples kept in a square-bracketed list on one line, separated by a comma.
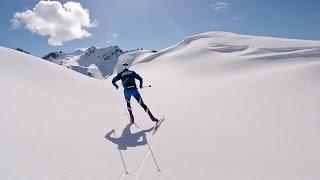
[(127, 78)]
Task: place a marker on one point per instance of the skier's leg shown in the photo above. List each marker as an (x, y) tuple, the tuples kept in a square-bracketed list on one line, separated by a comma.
[(127, 96), (138, 97)]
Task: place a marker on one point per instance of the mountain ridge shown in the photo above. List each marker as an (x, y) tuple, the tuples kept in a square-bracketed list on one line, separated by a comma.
[(94, 62)]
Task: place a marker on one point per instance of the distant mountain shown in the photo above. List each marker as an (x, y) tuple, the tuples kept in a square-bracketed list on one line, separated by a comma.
[(21, 50), (95, 62)]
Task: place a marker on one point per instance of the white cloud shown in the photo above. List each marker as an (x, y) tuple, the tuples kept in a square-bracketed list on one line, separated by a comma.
[(115, 35), (61, 22), (219, 5)]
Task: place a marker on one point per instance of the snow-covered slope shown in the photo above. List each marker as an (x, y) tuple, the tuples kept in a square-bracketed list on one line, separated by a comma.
[(236, 107), (95, 62)]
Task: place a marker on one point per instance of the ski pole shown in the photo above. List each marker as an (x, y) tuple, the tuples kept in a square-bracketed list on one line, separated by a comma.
[(154, 159), (146, 86), (124, 81), (124, 164)]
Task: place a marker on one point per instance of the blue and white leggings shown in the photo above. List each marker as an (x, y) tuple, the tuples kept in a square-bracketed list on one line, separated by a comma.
[(135, 93)]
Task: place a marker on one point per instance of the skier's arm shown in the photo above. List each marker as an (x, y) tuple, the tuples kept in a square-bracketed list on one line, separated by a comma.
[(115, 79), (110, 138), (139, 78)]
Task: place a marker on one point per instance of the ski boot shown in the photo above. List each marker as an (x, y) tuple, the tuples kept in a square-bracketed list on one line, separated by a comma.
[(153, 119)]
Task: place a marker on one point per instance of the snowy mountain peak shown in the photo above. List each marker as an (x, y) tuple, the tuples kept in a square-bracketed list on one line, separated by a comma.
[(54, 55), (90, 50), (95, 62)]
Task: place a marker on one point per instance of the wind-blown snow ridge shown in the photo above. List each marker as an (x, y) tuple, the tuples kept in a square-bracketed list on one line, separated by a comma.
[(253, 47), (237, 107)]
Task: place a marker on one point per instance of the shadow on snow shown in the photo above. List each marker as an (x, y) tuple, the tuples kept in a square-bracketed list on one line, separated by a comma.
[(127, 138)]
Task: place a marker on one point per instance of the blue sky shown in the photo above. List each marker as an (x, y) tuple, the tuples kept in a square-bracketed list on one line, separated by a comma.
[(157, 24)]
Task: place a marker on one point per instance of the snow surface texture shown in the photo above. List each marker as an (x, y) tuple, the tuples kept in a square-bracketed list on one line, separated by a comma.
[(236, 107), (94, 62)]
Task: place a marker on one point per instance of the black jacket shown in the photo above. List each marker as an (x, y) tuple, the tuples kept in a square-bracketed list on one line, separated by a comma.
[(127, 78)]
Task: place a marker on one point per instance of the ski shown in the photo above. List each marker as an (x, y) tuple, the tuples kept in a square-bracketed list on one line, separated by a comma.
[(157, 125), (136, 125)]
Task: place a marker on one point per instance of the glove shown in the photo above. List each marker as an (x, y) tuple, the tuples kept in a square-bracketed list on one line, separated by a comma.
[(116, 86), (141, 86)]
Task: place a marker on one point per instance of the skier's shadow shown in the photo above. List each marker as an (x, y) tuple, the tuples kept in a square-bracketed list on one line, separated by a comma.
[(127, 138)]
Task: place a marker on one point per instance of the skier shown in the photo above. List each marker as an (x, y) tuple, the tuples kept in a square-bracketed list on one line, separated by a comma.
[(127, 78)]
